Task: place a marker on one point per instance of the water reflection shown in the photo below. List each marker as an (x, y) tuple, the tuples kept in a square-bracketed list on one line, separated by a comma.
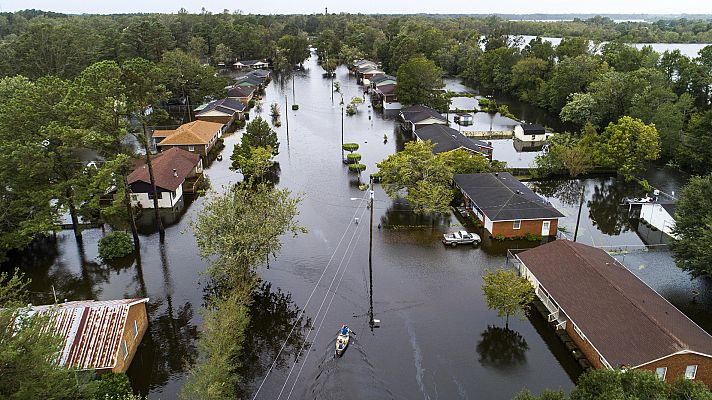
[(568, 191), (604, 207), (502, 348), (272, 317), (400, 215)]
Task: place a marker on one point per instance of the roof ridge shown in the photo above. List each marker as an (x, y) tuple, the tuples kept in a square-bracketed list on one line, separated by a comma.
[(635, 304)]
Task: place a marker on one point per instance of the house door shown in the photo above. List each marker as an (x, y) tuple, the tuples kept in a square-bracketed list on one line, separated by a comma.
[(545, 225)]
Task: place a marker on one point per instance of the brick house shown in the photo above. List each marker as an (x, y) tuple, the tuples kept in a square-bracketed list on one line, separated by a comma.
[(224, 111), (506, 206), (614, 318), (448, 139), (196, 137), (97, 335), (171, 168)]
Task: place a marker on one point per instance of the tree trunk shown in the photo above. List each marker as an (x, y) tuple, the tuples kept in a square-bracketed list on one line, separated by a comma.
[(73, 212), (157, 210), (129, 210)]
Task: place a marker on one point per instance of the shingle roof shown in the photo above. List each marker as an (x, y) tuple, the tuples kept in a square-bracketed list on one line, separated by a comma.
[(240, 91), (227, 105), (625, 320), (386, 89), (533, 129), (418, 113), (91, 331), (163, 164), (670, 208), (382, 77), (260, 73), (196, 132), (448, 139), (368, 68), (501, 197)]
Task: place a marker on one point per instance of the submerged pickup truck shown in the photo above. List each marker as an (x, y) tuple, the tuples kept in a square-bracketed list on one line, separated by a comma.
[(461, 237)]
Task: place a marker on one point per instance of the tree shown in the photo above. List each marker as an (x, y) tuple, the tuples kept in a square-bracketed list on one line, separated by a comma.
[(143, 93), (580, 109), (146, 38), (466, 162), (419, 80), (628, 144), (507, 292), (572, 47), (296, 48), (693, 227), (253, 164), (528, 77), (424, 177), (222, 54), (188, 80), (259, 134), (27, 355)]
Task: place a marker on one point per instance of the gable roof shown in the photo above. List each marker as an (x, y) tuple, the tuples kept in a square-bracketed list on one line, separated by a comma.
[(419, 113), (625, 320), (163, 165), (240, 91), (501, 197), (448, 139), (91, 331), (250, 62), (228, 106), (368, 68), (533, 129), (386, 89), (192, 133), (669, 207), (383, 77), (260, 73)]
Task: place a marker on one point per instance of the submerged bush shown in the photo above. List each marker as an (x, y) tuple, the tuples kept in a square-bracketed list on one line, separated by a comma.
[(116, 244)]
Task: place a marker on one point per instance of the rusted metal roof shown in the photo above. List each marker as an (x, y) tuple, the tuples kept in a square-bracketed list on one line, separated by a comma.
[(91, 330)]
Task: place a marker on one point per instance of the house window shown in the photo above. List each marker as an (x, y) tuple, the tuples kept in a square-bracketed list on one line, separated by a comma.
[(517, 224), (691, 371), (134, 197), (135, 326), (533, 137), (661, 372), (150, 194), (191, 148), (125, 349)]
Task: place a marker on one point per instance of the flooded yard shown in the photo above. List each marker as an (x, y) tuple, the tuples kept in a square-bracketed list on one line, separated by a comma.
[(436, 339)]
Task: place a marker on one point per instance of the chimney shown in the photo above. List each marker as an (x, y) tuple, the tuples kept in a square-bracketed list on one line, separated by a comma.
[(175, 172)]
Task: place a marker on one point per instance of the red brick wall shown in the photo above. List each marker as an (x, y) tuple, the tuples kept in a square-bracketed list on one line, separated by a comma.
[(676, 365), (506, 228), (584, 346)]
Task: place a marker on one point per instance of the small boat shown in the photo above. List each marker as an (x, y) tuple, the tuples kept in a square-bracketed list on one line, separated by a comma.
[(219, 157), (342, 340)]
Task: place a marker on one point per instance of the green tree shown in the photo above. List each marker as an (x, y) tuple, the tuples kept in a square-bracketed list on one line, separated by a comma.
[(466, 162), (423, 177), (27, 355), (147, 38), (580, 109), (507, 292), (419, 82), (693, 227), (187, 79), (296, 48), (628, 144), (259, 134), (253, 164), (572, 47), (528, 77)]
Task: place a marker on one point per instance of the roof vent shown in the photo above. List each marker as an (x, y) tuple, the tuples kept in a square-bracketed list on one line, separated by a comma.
[(519, 191), (175, 172), (496, 174)]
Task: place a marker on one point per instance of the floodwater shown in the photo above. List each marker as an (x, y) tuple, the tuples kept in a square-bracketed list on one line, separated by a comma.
[(688, 49), (436, 339)]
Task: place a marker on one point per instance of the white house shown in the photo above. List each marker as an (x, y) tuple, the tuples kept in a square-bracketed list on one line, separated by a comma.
[(171, 168), (531, 133), (660, 216)]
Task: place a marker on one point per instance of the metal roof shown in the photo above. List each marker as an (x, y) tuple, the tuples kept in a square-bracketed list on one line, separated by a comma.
[(91, 330), (448, 139)]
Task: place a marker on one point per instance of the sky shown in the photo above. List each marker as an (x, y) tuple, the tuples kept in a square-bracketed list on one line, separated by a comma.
[(368, 6)]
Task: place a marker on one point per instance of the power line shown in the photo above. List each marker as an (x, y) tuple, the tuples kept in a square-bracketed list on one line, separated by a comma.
[(306, 304)]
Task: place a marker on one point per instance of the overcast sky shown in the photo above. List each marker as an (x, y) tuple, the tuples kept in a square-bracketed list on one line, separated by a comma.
[(369, 6)]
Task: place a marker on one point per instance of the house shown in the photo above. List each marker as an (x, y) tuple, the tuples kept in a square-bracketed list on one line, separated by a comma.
[(254, 64), (448, 139), (171, 169), (659, 216), (415, 117), (613, 317), (531, 133), (241, 93), (386, 94), (224, 111), (383, 79), (97, 335), (463, 119), (263, 74), (363, 63), (507, 207), (197, 136), (367, 72), (250, 81)]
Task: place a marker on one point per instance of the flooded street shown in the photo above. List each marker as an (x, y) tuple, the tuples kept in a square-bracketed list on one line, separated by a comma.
[(436, 340)]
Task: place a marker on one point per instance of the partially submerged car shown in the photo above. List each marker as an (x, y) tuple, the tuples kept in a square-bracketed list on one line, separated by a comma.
[(461, 237)]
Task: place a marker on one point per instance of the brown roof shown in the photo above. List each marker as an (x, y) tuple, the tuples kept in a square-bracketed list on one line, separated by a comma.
[(192, 133), (240, 92), (162, 133), (163, 164), (91, 331), (625, 320)]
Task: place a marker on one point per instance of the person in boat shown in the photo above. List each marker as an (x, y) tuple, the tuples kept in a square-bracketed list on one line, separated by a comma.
[(344, 329)]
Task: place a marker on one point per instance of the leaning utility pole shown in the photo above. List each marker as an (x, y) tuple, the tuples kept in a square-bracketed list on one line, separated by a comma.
[(578, 218), (342, 133), (370, 264), (286, 115)]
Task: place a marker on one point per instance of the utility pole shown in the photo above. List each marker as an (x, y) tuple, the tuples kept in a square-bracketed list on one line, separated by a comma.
[(342, 133), (294, 97), (578, 218), (286, 115), (370, 263)]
